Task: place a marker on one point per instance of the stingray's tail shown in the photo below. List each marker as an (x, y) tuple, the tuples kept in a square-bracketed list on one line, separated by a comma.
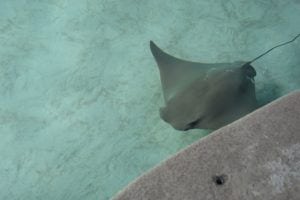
[(285, 43)]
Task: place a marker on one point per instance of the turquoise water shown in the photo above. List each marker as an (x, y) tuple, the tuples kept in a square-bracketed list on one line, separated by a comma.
[(80, 90)]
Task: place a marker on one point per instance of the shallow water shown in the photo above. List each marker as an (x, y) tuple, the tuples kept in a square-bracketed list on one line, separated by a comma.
[(80, 90)]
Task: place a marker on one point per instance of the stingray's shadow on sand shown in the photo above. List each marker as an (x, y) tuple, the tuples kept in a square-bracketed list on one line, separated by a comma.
[(268, 92)]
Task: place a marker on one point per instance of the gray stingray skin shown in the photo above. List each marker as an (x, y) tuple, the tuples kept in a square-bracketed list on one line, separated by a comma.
[(204, 96)]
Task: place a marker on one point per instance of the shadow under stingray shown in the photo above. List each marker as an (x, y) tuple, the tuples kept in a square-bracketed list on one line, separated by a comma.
[(269, 91)]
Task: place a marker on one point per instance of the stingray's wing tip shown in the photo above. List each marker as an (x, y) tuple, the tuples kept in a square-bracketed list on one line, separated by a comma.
[(152, 46), (152, 43), (158, 54)]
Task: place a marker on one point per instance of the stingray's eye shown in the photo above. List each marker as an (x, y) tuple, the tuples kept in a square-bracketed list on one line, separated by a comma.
[(249, 70)]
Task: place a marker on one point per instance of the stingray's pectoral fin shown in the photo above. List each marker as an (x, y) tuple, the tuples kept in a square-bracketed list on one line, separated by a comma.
[(175, 73), (156, 51), (162, 58), (165, 115)]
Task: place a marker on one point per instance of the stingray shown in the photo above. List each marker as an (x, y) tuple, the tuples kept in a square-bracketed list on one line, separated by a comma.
[(205, 95)]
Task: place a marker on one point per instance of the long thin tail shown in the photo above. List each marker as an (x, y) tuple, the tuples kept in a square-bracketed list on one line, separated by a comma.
[(285, 43)]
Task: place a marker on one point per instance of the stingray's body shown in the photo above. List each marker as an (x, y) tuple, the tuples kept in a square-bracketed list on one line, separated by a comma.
[(204, 96)]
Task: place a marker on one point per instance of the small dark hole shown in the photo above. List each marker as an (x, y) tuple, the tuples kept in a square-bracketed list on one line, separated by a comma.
[(219, 180)]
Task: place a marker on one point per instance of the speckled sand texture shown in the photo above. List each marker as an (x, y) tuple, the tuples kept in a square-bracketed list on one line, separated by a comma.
[(258, 154)]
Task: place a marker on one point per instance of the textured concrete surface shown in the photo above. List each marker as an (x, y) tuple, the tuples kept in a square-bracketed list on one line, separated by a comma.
[(80, 90), (256, 157)]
